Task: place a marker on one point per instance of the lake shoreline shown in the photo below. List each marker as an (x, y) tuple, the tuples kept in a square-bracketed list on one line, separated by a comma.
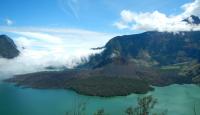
[(27, 86)]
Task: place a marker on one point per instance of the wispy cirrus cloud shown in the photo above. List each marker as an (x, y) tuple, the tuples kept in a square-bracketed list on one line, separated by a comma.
[(70, 38), (72, 4), (41, 36), (157, 21)]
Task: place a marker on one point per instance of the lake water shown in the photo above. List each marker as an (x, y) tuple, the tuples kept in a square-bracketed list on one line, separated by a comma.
[(178, 99)]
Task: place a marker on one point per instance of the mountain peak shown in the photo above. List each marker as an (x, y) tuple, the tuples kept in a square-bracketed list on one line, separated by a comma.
[(8, 49), (192, 20)]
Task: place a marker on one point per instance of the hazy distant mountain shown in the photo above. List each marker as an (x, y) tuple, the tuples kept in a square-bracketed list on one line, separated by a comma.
[(192, 20), (8, 49)]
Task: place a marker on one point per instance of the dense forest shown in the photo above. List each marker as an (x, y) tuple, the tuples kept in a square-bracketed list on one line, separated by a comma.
[(109, 86)]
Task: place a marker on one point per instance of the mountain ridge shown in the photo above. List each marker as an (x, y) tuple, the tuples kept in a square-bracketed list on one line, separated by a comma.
[(160, 47), (192, 20)]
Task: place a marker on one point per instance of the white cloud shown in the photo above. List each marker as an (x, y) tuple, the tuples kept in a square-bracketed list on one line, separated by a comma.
[(112, 55), (127, 16), (23, 42), (72, 4), (157, 21), (191, 9), (32, 60), (71, 38), (190, 19), (62, 5), (9, 22), (42, 36), (120, 25), (74, 50)]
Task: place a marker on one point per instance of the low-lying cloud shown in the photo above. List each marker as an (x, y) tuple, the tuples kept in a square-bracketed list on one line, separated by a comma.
[(32, 60), (157, 21), (58, 47)]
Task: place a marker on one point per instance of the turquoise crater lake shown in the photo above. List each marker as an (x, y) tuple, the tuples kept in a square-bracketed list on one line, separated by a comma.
[(178, 99)]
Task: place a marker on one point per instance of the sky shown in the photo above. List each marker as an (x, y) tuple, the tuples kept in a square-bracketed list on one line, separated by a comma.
[(61, 32)]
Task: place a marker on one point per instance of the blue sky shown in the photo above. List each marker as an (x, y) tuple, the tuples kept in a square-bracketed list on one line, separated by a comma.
[(61, 32), (92, 15)]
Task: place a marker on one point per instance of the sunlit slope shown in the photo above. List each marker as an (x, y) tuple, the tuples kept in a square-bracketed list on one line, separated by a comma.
[(150, 49)]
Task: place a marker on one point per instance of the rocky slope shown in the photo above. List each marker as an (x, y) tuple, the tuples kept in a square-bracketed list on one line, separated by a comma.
[(8, 49)]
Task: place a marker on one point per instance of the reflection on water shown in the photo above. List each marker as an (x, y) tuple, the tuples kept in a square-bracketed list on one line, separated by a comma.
[(178, 99)]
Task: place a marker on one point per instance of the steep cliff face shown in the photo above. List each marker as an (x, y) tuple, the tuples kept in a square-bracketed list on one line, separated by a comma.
[(8, 49)]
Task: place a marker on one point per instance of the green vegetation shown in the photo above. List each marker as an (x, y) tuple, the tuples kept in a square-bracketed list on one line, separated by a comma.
[(192, 70), (143, 55), (145, 105), (178, 64), (108, 86), (143, 59), (152, 48), (170, 67), (197, 79), (101, 112)]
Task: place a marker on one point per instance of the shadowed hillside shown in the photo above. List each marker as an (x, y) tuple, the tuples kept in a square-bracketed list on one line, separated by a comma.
[(7, 47), (192, 20), (150, 49)]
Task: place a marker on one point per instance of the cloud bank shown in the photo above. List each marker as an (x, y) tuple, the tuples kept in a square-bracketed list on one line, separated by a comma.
[(56, 47), (157, 21), (32, 60)]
